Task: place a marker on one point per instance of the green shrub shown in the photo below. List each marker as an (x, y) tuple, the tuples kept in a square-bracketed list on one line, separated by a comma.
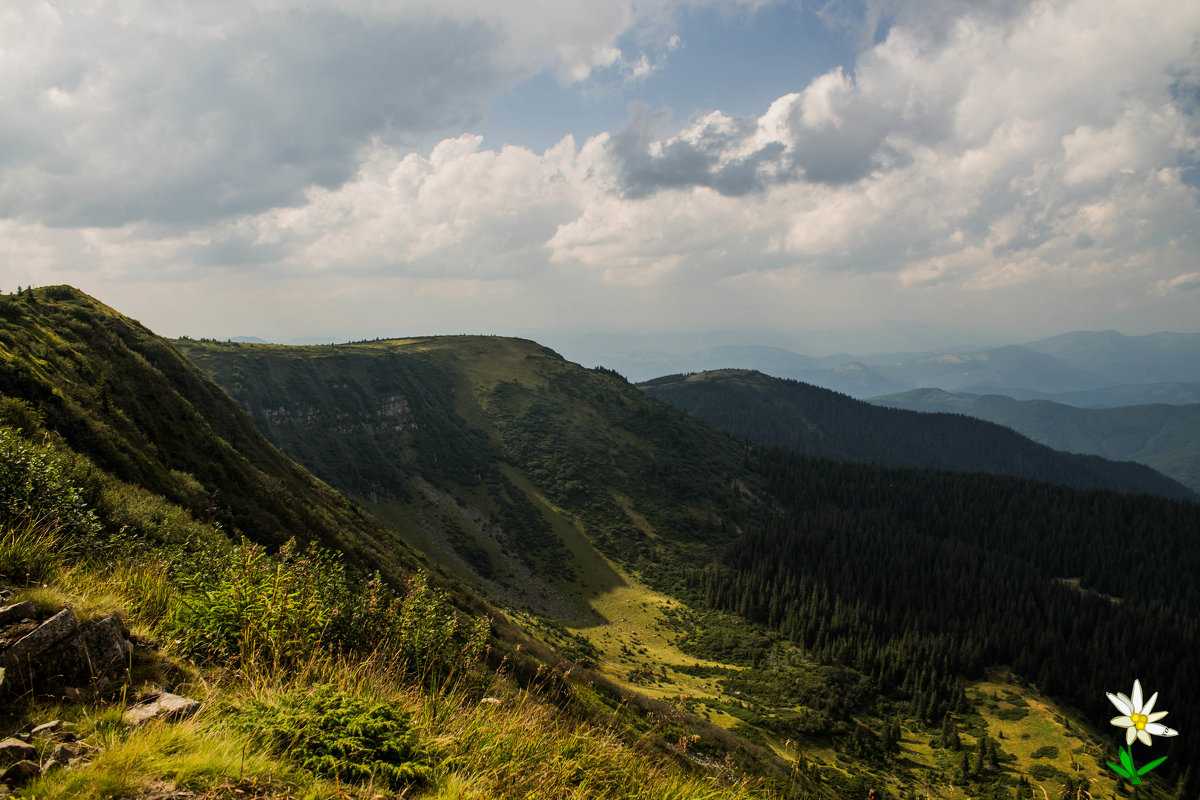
[(1045, 772), (428, 636), (251, 607), (339, 735), (1046, 751), (36, 486), (281, 610)]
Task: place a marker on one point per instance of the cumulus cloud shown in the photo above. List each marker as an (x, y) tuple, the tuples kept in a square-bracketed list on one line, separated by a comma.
[(117, 111), (1188, 282), (984, 149)]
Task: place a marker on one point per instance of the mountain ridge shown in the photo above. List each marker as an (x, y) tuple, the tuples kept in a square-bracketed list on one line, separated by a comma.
[(819, 422)]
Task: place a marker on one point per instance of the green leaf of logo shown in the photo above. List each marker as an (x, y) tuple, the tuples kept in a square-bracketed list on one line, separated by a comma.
[(1151, 765)]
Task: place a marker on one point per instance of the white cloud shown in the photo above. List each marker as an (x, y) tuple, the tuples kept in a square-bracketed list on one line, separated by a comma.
[(116, 111), (990, 150)]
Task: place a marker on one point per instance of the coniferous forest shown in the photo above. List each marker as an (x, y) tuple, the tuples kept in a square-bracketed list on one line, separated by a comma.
[(920, 578)]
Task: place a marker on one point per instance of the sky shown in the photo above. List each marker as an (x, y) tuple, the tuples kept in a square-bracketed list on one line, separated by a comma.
[(359, 168)]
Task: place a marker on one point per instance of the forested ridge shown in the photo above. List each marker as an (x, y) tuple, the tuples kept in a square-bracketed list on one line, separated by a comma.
[(815, 421)]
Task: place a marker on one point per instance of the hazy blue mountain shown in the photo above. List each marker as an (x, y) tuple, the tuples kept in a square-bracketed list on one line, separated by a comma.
[(1164, 437), (1156, 358), (1083, 368), (1010, 367)]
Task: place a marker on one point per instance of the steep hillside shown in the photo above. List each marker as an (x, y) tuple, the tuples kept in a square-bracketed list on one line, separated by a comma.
[(512, 466), (130, 402), (818, 422), (1164, 437)]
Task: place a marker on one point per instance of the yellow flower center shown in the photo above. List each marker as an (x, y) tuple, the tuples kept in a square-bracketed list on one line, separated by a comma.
[(1139, 721)]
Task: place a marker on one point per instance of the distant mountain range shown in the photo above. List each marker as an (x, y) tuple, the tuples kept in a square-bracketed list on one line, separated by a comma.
[(1090, 369), (1161, 436)]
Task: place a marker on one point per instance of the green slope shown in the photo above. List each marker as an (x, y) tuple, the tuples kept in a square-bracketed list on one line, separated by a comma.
[(140, 411), (510, 465), (1163, 437), (815, 421)]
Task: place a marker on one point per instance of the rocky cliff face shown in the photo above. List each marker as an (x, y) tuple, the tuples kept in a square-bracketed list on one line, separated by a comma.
[(390, 414)]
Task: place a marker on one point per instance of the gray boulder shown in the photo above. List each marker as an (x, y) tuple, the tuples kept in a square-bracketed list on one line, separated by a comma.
[(21, 773), (17, 612), (62, 653), (15, 750)]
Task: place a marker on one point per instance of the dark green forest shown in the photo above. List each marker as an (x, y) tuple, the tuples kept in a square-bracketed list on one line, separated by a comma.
[(918, 578)]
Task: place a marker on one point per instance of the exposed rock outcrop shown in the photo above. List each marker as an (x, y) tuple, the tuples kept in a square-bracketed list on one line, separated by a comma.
[(51, 655)]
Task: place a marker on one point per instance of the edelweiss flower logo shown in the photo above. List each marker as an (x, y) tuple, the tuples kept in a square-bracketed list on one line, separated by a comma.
[(1138, 722)]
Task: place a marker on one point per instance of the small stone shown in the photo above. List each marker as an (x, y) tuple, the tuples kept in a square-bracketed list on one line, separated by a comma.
[(20, 773), (64, 753), (75, 762), (17, 612), (51, 764), (46, 727), (65, 736), (165, 706), (13, 749)]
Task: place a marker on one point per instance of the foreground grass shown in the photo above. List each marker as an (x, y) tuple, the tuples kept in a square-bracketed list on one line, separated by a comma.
[(476, 734), (507, 744)]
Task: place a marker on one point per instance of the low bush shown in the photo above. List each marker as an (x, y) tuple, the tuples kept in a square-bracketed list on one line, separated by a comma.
[(337, 734)]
